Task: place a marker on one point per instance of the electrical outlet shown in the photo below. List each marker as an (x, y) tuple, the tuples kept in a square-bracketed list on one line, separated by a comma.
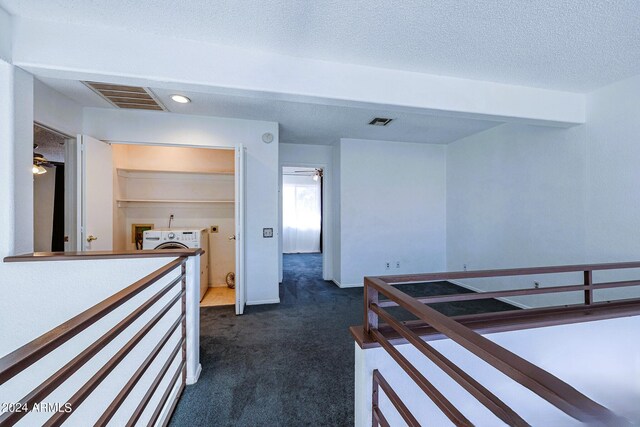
[(536, 285), (214, 229), (397, 264), (464, 267), (267, 233), (387, 265)]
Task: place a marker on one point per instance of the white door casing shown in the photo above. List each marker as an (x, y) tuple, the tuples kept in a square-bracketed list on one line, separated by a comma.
[(241, 297), (96, 182)]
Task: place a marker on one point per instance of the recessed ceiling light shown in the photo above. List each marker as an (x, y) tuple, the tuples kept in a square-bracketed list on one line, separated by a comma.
[(180, 99)]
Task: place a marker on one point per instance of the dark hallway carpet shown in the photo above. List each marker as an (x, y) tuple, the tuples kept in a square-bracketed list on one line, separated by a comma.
[(288, 364)]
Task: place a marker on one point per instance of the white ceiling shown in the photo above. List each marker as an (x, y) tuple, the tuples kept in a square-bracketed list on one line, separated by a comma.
[(302, 123), (575, 45)]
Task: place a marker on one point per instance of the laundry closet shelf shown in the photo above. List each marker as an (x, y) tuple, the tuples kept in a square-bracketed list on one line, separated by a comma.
[(124, 202), (139, 173)]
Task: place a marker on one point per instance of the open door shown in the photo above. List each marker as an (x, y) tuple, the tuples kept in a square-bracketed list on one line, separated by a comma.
[(241, 297), (96, 195)]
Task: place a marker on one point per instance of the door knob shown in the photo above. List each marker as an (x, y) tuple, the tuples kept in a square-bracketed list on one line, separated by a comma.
[(232, 237), (91, 238)]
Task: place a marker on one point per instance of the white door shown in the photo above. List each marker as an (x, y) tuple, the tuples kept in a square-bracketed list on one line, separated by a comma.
[(96, 182), (241, 298)]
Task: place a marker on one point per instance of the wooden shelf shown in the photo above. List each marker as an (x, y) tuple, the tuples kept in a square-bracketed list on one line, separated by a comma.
[(133, 172), (159, 201)]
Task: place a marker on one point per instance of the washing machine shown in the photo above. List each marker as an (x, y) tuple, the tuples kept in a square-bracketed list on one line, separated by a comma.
[(181, 238)]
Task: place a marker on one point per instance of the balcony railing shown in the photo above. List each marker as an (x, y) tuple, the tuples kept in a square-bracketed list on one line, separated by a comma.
[(464, 331), (159, 391)]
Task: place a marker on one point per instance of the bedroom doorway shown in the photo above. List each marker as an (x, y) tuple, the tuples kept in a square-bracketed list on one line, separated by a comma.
[(302, 226)]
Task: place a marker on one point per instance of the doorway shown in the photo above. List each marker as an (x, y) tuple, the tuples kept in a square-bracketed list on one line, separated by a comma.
[(53, 190), (302, 213), (194, 190)]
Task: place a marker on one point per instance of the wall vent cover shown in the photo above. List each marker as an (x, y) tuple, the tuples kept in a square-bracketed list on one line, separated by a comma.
[(380, 121), (132, 97)]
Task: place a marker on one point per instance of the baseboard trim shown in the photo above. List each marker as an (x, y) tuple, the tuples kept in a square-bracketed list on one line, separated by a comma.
[(474, 289), (351, 285), (264, 301)]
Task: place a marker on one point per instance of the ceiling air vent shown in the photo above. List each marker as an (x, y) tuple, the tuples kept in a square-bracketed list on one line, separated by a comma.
[(133, 97), (380, 121)]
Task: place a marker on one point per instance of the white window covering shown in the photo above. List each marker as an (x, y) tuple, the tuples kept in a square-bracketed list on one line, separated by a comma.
[(301, 214)]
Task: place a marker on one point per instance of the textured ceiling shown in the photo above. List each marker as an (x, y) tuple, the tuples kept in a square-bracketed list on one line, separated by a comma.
[(575, 45), (50, 145), (303, 123)]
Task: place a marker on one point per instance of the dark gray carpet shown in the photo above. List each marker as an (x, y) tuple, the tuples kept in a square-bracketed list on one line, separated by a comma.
[(288, 364)]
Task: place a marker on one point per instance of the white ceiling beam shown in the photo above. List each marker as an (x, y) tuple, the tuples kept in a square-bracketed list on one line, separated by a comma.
[(107, 54)]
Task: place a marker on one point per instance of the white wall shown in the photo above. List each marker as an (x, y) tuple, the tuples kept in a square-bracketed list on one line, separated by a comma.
[(261, 205), (55, 110), (7, 163), (556, 349), (392, 208), (313, 156), (516, 198), (529, 196), (613, 198), (6, 28), (23, 160)]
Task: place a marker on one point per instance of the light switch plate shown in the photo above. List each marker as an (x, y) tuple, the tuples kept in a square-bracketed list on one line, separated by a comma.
[(267, 232)]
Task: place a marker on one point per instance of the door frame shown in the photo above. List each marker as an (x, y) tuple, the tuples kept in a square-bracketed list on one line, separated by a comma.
[(327, 217), (72, 208), (239, 209)]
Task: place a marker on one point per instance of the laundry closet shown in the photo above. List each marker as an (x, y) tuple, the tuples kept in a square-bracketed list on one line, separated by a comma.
[(186, 194)]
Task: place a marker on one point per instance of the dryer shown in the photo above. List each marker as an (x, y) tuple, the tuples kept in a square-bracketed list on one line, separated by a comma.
[(181, 238)]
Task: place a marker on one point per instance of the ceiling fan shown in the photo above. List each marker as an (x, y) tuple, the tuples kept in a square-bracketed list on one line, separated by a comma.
[(39, 163)]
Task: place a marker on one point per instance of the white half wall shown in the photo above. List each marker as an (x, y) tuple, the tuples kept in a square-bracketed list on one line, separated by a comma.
[(312, 156), (605, 345), (392, 209), (516, 198), (262, 175)]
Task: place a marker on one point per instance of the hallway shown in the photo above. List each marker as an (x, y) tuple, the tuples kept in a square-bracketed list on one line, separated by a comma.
[(286, 364)]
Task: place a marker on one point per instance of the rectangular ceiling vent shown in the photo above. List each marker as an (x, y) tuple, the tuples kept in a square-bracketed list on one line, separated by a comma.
[(132, 97), (380, 121)]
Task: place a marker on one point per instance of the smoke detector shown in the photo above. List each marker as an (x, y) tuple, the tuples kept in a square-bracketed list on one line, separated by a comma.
[(380, 121)]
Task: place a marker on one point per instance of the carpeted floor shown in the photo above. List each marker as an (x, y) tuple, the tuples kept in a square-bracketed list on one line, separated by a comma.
[(288, 364)]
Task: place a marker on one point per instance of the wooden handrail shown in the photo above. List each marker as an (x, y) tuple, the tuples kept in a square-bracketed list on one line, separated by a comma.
[(525, 271), (23, 357), (108, 367), (119, 400), (547, 386), (434, 394), (51, 383), (477, 390), (380, 381), (93, 255)]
